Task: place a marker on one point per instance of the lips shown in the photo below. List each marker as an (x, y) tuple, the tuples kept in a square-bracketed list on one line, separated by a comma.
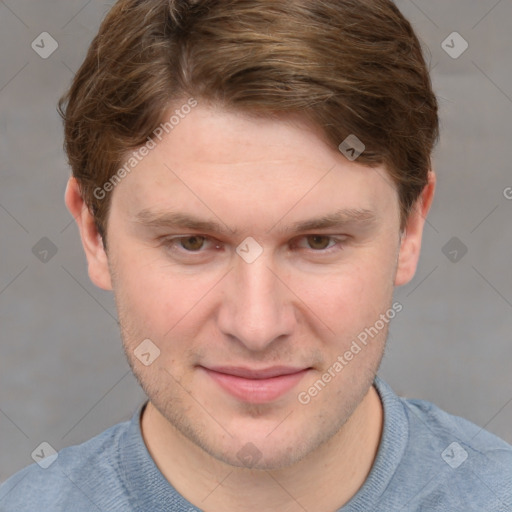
[(256, 385), (247, 373)]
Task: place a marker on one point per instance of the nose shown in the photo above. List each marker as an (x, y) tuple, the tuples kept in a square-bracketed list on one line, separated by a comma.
[(257, 308)]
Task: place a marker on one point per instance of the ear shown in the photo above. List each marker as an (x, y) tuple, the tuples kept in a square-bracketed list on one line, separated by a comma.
[(411, 239), (92, 242)]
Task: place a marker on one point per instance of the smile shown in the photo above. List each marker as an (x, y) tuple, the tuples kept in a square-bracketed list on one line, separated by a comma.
[(256, 386)]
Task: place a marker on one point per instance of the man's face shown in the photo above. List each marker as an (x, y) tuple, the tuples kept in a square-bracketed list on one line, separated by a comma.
[(294, 308)]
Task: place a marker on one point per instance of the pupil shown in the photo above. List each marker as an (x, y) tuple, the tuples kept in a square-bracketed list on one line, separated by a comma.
[(315, 241), (193, 243)]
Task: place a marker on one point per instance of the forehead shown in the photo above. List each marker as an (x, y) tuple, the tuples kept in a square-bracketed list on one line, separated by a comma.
[(217, 161)]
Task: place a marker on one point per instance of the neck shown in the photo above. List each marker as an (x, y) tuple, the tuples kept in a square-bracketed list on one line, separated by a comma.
[(323, 481)]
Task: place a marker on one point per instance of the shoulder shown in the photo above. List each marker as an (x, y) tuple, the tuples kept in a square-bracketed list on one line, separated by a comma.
[(448, 427), (71, 480), (460, 464)]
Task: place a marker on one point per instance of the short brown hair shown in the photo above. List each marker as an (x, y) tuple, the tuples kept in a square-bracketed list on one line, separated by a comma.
[(350, 66)]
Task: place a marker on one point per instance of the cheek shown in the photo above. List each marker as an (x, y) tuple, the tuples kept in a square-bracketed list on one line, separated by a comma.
[(354, 293), (148, 296), (156, 301)]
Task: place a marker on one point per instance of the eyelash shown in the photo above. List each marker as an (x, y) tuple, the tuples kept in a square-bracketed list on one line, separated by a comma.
[(170, 244)]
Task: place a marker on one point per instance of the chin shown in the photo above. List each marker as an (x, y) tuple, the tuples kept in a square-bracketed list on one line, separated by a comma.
[(272, 456)]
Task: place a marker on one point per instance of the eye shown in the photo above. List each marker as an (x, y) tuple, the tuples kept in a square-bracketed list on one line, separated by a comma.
[(201, 245), (318, 243), (192, 243), (187, 244)]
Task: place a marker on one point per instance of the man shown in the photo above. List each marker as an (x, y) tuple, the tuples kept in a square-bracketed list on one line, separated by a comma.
[(251, 179)]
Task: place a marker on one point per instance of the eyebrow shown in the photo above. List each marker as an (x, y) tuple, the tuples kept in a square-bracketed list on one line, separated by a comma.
[(167, 219)]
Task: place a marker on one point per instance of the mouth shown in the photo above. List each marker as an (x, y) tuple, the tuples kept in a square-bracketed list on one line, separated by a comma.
[(256, 386)]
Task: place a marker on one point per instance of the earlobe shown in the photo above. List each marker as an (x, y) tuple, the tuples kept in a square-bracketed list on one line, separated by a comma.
[(92, 241), (410, 245)]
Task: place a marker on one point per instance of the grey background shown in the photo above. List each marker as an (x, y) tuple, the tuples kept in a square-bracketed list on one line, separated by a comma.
[(64, 377)]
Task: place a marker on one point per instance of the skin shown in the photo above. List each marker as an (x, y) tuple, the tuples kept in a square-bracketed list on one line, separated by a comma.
[(301, 303)]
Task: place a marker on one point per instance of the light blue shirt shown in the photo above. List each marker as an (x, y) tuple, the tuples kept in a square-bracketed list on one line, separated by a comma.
[(428, 461)]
